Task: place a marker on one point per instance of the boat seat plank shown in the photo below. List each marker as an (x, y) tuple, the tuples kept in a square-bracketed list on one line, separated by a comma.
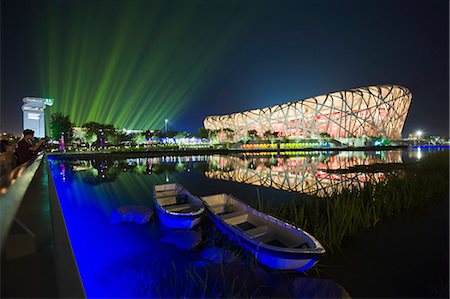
[(235, 217), (167, 201), (217, 208), (258, 231), (178, 208), (233, 214), (167, 193)]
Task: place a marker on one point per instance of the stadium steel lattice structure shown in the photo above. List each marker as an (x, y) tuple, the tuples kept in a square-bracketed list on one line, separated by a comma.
[(372, 111)]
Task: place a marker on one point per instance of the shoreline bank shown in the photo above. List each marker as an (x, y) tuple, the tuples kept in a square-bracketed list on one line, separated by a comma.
[(177, 152)]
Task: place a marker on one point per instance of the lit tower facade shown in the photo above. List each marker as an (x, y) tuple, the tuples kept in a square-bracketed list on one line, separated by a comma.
[(34, 115)]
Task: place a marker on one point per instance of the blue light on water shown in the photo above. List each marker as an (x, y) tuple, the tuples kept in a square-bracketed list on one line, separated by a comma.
[(132, 260), (126, 259), (101, 249)]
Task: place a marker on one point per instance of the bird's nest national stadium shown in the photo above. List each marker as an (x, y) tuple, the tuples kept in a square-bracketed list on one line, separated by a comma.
[(372, 111)]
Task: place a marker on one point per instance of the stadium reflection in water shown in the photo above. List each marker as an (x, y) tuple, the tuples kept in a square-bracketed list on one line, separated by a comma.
[(315, 174)]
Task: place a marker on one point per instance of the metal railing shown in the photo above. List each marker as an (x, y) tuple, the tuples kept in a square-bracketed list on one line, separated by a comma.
[(13, 193)]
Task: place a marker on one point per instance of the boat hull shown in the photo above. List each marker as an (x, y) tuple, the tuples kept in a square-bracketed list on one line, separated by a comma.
[(271, 258), (172, 213), (274, 243), (178, 221)]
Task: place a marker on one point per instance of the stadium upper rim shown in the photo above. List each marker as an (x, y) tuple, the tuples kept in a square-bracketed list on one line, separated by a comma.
[(405, 90)]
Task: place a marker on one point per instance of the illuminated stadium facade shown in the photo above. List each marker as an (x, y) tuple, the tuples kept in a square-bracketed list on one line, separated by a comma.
[(373, 111)]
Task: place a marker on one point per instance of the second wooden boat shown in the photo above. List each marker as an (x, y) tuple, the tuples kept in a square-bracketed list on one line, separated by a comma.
[(275, 243)]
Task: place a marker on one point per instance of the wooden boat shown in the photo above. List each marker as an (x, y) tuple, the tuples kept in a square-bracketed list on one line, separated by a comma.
[(274, 243), (176, 207)]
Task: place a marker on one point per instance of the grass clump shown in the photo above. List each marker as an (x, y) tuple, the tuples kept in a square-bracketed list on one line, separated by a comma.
[(350, 211)]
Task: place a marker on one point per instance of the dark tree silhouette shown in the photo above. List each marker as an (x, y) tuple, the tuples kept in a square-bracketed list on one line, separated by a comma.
[(59, 124)]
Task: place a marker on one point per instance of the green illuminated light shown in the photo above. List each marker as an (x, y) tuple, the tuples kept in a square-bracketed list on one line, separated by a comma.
[(49, 102), (133, 64)]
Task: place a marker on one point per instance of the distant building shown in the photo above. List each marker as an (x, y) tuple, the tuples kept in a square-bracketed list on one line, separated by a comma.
[(81, 131), (348, 116), (34, 115), (78, 132), (132, 131)]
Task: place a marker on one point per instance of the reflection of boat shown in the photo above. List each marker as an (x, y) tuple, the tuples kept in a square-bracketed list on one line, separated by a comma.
[(176, 207), (274, 243)]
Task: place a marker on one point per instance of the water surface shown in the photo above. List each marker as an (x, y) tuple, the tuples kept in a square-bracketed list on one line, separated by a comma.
[(119, 260)]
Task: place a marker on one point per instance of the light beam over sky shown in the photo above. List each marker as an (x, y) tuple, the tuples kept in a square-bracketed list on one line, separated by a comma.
[(134, 63)]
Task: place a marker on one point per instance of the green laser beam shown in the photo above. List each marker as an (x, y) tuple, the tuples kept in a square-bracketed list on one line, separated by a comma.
[(133, 63)]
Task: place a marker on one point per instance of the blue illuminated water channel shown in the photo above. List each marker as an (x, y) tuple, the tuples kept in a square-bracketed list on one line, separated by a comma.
[(150, 260)]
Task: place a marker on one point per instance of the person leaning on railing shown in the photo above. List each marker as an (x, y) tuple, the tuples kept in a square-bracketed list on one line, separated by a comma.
[(7, 161), (26, 149)]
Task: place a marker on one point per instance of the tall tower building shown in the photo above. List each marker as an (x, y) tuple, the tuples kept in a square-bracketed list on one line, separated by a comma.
[(34, 115)]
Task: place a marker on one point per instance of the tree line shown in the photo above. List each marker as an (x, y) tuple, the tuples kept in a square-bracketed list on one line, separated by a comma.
[(101, 134)]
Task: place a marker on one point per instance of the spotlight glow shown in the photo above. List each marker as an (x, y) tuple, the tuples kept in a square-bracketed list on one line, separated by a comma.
[(132, 64)]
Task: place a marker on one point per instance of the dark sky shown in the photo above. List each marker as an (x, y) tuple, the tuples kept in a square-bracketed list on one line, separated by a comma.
[(282, 51)]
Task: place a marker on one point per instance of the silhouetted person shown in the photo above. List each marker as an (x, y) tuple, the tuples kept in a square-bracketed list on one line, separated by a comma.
[(25, 148), (7, 158)]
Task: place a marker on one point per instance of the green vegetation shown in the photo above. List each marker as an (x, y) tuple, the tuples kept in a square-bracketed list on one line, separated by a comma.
[(252, 135), (347, 213), (101, 130), (61, 124), (139, 139), (271, 136), (99, 136), (203, 133), (170, 280), (90, 139)]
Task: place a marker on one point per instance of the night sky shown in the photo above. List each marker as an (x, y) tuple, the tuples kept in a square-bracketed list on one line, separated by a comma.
[(135, 63)]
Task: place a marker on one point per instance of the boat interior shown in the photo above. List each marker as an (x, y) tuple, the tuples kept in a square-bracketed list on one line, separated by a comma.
[(175, 199), (254, 226)]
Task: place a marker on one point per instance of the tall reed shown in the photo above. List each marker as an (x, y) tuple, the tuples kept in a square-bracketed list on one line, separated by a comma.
[(347, 213)]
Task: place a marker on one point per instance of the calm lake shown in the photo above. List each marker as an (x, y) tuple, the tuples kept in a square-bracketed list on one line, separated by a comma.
[(405, 256)]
